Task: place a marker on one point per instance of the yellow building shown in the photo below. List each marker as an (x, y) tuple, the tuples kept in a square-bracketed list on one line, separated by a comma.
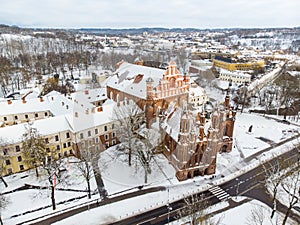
[(239, 66), (63, 133)]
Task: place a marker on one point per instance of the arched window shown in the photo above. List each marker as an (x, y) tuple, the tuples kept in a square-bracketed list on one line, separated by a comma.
[(172, 83)]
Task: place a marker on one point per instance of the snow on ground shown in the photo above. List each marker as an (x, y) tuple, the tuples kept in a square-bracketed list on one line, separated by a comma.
[(22, 201), (265, 132), (119, 178), (242, 214)]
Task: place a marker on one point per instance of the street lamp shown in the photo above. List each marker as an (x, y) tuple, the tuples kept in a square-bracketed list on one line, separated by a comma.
[(168, 205)]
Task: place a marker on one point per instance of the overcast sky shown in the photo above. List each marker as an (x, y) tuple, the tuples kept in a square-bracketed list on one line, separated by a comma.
[(150, 13)]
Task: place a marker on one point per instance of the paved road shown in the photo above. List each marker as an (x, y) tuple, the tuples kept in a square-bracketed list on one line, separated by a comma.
[(94, 204)]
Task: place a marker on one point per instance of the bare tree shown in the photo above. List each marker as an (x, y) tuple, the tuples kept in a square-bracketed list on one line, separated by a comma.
[(195, 210), (89, 156), (47, 158), (34, 148), (258, 215), (129, 118), (6, 69), (52, 167), (281, 181), (289, 92), (242, 98), (291, 187)]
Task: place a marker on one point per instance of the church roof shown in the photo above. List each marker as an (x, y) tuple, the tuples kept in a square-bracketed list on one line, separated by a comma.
[(132, 79)]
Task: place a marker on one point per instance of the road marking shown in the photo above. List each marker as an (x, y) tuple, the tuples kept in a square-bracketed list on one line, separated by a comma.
[(219, 193)]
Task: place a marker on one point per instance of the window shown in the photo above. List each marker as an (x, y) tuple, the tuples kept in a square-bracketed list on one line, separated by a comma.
[(68, 135), (16, 117), (81, 135), (107, 144), (71, 152), (5, 118), (19, 158), (47, 140), (113, 134), (96, 131), (47, 150), (96, 140), (89, 133), (69, 144), (105, 128), (5, 151), (106, 136), (7, 162), (59, 155), (56, 137), (36, 115), (46, 114), (9, 171), (65, 145), (26, 116), (57, 147), (17, 148), (21, 167), (113, 142), (65, 153)]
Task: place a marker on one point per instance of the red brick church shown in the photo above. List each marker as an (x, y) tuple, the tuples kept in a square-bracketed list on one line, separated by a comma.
[(190, 143)]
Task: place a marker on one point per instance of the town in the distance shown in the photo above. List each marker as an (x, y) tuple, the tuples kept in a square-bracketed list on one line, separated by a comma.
[(149, 126)]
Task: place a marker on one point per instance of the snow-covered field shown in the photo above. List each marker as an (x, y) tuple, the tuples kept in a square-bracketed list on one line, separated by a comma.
[(119, 178)]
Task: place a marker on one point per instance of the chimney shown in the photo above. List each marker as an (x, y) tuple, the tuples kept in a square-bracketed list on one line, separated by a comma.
[(86, 92), (93, 110), (100, 109), (76, 114), (9, 101), (87, 111), (24, 100), (41, 99)]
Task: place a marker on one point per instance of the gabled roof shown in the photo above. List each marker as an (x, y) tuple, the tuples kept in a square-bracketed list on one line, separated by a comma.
[(131, 79)]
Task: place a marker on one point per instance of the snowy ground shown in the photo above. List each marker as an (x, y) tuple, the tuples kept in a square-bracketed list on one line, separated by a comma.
[(246, 213), (118, 177), (265, 132)]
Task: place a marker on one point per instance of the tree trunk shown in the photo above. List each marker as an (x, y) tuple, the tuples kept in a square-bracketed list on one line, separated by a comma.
[(89, 188), (1, 222), (4, 182), (99, 181), (146, 176), (53, 197), (286, 216), (129, 156), (36, 172)]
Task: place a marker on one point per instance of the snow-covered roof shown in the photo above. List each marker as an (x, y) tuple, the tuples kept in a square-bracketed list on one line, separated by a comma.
[(75, 120), (84, 120), (89, 95), (196, 90), (131, 78), (235, 73), (54, 102), (19, 107), (51, 125)]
